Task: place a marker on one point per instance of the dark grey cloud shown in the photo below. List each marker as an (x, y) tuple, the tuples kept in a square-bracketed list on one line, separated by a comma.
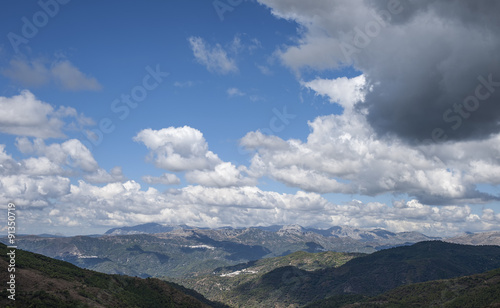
[(439, 77), (429, 61)]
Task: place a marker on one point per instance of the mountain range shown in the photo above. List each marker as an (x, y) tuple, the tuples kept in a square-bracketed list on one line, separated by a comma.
[(288, 266), (375, 235), (153, 250), (420, 275), (483, 238)]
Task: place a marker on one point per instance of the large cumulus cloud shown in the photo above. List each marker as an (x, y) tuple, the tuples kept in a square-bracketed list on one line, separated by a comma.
[(343, 154), (185, 149), (434, 65), (88, 207), (25, 115)]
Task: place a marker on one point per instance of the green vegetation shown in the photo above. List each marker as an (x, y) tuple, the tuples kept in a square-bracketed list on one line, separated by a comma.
[(183, 252), (45, 282), (301, 259), (339, 301), (134, 255), (482, 290), (227, 266), (220, 284), (367, 275), (476, 291)]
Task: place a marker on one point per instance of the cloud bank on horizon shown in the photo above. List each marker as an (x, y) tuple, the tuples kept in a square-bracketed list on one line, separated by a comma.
[(414, 128)]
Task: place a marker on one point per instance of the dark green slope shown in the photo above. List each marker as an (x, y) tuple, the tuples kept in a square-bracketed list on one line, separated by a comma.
[(424, 261), (482, 290), (45, 282), (372, 274), (475, 291)]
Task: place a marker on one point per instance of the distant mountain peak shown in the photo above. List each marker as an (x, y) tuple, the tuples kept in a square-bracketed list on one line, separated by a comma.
[(483, 238), (147, 228), (291, 229)]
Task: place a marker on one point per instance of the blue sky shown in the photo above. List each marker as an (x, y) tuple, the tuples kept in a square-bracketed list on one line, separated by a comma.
[(247, 113)]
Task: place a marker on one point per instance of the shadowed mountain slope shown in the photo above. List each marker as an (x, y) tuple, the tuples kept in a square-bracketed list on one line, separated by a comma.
[(44, 282)]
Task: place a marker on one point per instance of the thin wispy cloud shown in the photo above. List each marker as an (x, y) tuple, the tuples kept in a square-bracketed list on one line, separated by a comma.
[(265, 70), (214, 58), (231, 92), (59, 72), (184, 84)]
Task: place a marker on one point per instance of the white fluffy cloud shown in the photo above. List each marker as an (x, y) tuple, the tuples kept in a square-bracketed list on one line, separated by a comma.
[(215, 58), (343, 91), (166, 179), (343, 155), (102, 176), (125, 203), (223, 198), (32, 182), (185, 149), (118, 204), (42, 179), (223, 175), (41, 166), (32, 191), (25, 115), (61, 72), (71, 153)]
